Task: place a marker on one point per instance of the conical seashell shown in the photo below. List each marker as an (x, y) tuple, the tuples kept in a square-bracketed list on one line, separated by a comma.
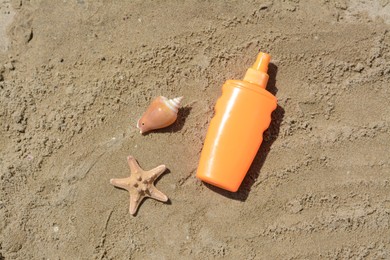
[(161, 113)]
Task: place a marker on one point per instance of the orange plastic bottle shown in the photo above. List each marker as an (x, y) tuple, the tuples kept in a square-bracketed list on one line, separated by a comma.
[(242, 114)]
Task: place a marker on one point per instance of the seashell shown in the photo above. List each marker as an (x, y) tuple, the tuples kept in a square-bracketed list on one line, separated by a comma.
[(161, 113)]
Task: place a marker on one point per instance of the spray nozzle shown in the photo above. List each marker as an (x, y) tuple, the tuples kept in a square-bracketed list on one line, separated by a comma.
[(257, 74)]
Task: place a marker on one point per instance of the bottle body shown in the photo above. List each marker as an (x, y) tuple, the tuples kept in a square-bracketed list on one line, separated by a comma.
[(242, 114)]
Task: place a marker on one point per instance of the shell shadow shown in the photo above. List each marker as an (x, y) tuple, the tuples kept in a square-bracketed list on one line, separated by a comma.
[(182, 116), (269, 137)]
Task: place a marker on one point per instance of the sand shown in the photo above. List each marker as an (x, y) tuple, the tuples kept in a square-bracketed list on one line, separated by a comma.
[(76, 75)]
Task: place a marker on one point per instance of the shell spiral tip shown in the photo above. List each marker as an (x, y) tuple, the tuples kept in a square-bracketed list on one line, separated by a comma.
[(178, 99)]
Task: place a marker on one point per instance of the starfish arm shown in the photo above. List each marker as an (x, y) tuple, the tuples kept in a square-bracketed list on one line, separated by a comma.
[(155, 173), (135, 200), (120, 183), (134, 166), (156, 194)]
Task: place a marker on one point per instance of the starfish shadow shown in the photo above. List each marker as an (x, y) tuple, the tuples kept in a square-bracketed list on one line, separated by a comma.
[(269, 137)]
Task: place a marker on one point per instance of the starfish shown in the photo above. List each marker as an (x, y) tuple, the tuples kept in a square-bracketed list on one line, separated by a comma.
[(140, 184)]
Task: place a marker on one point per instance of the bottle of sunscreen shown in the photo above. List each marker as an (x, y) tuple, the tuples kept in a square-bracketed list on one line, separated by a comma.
[(242, 114)]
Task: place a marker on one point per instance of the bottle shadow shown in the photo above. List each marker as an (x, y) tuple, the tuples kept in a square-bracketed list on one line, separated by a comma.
[(269, 137)]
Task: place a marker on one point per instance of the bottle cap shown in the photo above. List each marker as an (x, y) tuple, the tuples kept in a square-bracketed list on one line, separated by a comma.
[(257, 74)]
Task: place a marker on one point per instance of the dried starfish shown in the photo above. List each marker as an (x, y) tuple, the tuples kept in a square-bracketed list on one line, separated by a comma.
[(140, 184)]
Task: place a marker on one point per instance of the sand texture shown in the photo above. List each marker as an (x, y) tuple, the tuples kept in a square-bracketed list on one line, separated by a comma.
[(75, 76)]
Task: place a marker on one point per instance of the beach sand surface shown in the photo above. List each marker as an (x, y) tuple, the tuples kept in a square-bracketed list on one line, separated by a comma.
[(75, 76)]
